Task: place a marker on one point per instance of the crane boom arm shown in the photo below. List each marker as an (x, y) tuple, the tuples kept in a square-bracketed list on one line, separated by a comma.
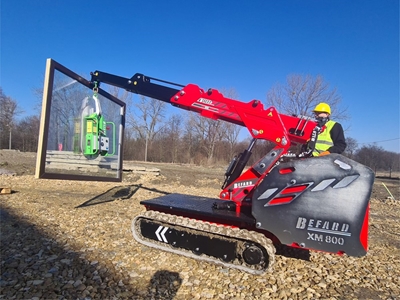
[(138, 84), (266, 124)]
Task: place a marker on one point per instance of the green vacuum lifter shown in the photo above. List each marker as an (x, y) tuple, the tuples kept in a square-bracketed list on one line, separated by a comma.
[(94, 141)]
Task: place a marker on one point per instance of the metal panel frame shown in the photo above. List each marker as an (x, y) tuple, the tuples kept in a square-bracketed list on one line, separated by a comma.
[(51, 66)]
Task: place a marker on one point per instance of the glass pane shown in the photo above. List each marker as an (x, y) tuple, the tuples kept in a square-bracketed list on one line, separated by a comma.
[(83, 129)]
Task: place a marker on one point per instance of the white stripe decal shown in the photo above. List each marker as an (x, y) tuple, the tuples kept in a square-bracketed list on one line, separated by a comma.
[(160, 233)]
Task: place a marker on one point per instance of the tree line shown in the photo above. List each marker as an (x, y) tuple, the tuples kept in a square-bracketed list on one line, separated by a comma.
[(152, 134)]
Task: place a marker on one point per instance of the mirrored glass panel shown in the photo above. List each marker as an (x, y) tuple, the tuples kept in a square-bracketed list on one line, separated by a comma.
[(81, 129)]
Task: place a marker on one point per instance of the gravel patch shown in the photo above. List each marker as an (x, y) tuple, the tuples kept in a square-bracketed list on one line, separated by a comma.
[(72, 240)]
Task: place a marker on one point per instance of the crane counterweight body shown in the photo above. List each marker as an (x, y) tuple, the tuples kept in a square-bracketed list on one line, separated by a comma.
[(315, 203)]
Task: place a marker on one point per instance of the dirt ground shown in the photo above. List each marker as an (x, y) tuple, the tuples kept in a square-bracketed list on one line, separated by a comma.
[(50, 205)]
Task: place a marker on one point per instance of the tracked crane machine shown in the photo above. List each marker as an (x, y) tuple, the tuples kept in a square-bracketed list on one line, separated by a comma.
[(315, 203)]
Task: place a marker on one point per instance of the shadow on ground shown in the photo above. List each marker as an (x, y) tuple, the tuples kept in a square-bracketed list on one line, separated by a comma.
[(33, 264), (118, 193)]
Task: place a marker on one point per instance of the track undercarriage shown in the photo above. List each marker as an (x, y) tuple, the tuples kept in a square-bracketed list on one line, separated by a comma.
[(230, 245)]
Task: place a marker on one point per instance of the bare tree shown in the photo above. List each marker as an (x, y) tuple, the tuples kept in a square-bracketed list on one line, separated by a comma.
[(171, 135), (147, 121), (302, 93), (230, 131), (8, 112), (392, 160), (351, 148), (208, 131), (27, 134), (378, 159), (190, 141), (371, 156), (166, 145), (231, 134)]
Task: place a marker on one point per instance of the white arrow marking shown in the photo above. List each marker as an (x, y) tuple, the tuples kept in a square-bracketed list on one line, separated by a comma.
[(161, 237), (158, 232), (163, 234)]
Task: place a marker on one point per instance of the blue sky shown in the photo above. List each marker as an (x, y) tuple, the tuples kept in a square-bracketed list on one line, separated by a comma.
[(245, 45)]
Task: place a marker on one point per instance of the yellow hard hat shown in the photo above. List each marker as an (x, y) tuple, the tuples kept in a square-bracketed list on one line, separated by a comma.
[(322, 107)]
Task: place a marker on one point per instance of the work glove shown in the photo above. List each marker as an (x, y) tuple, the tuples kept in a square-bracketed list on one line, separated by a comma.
[(324, 153)]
